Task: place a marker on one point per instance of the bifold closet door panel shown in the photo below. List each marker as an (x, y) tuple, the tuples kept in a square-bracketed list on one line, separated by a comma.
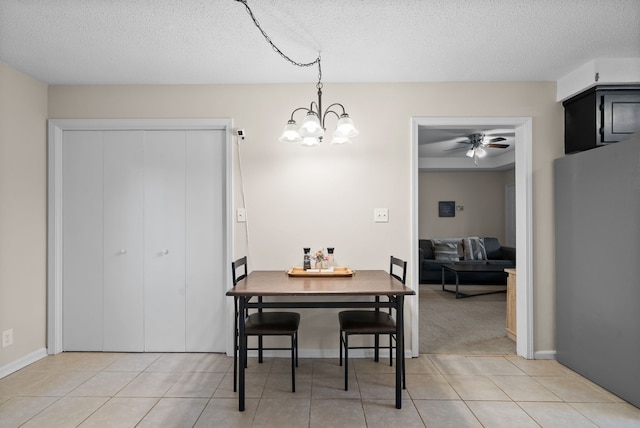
[(82, 217), (205, 315), (123, 241), (164, 241)]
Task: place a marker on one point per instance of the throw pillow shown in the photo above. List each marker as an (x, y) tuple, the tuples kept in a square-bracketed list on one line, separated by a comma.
[(474, 249), (445, 251)]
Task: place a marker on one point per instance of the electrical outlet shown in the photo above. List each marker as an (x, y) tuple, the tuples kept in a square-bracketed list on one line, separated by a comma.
[(381, 215), (7, 338), (241, 215)]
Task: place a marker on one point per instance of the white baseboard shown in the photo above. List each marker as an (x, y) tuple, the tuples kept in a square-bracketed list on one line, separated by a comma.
[(22, 362), (545, 355)]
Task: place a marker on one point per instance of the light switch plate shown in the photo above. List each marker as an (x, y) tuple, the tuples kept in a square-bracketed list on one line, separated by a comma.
[(381, 215)]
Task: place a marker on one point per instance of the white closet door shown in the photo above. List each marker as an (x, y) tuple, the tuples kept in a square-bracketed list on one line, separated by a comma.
[(82, 210), (123, 239), (143, 240), (205, 314), (164, 235)]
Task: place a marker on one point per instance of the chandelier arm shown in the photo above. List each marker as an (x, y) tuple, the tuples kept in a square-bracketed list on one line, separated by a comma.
[(341, 106), (273, 45), (327, 111), (298, 109)]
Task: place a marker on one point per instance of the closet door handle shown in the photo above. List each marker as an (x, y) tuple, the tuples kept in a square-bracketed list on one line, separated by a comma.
[(123, 251), (165, 251)]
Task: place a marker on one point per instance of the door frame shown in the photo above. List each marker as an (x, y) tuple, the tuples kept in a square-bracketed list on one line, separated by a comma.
[(510, 208), (56, 128), (524, 220)]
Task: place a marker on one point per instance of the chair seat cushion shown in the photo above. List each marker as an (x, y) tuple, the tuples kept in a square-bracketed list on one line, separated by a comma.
[(272, 323), (366, 322)]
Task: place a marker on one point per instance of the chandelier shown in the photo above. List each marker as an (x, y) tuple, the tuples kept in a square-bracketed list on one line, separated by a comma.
[(312, 128)]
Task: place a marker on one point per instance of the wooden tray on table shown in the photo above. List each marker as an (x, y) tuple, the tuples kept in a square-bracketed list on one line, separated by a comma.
[(337, 271)]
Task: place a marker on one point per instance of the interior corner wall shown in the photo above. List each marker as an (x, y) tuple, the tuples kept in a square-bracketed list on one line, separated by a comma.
[(23, 208), (481, 196)]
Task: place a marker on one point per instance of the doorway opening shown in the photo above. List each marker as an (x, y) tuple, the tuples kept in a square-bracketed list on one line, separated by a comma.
[(521, 128)]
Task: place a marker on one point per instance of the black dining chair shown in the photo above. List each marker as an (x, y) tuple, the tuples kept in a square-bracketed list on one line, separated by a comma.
[(261, 324), (367, 322)]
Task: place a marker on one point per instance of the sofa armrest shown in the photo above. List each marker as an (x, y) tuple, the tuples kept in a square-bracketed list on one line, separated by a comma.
[(509, 253)]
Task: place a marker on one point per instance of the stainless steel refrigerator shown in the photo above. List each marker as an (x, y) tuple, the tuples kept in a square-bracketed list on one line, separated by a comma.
[(597, 222)]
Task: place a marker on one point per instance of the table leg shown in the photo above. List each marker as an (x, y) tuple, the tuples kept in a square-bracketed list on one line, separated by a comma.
[(242, 353), (399, 348)]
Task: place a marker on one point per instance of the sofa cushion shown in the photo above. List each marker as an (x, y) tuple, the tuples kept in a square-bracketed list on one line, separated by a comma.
[(493, 248), (474, 249), (446, 250)]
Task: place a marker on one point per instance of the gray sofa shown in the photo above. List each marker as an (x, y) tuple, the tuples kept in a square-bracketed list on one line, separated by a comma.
[(496, 254)]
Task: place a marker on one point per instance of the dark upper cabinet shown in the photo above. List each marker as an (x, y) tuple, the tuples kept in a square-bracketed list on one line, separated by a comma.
[(601, 115)]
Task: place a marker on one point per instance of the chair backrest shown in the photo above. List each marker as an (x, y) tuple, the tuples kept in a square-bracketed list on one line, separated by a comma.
[(396, 265), (239, 270)]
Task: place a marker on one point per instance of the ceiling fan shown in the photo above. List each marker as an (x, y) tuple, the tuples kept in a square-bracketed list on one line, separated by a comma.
[(477, 143)]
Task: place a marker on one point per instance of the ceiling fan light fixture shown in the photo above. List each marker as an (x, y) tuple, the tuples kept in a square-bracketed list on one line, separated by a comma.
[(470, 153), (480, 152)]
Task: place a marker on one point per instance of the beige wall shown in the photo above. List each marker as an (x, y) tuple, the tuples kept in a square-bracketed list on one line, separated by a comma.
[(296, 196), (23, 169), (325, 196), (482, 194)]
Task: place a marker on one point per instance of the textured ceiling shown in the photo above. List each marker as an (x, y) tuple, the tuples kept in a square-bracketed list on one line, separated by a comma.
[(215, 41)]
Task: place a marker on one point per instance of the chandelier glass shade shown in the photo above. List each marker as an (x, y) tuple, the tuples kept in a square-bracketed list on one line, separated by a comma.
[(311, 126)]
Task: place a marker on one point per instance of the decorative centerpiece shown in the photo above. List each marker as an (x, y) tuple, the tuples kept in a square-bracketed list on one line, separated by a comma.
[(320, 259), (323, 263)]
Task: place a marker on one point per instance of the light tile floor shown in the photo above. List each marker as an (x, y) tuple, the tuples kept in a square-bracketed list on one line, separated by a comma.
[(195, 390)]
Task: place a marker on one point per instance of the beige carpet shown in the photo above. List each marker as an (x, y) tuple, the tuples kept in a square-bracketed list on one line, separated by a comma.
[(474, 325)]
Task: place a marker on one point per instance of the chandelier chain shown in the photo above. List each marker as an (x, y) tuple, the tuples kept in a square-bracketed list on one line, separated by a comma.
[(277, 50)]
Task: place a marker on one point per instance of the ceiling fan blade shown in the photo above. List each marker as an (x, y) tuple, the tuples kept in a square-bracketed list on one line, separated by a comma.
[(497, 146), (495, 140), (465, 147)]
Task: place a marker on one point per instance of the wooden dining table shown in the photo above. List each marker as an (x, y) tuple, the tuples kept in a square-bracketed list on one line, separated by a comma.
[(320, 289)]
